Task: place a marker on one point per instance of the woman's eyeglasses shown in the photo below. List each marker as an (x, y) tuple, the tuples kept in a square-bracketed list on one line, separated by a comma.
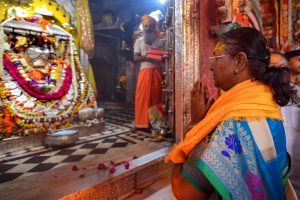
[(214, 58)]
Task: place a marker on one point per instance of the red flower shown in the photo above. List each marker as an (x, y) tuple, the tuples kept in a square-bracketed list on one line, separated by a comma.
[(112, 170), (81, 175), (138, 191), (75, 168), (101, 166), (126, 164)]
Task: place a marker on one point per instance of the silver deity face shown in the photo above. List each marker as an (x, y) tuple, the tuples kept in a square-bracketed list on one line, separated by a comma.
[(38, 55)]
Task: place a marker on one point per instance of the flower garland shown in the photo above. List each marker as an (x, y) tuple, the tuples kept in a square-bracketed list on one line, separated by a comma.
[(36, 76), (18, 120), (34, 91), (45, 24), (83, 87), (6, 122), (90, 104), (77, 91)]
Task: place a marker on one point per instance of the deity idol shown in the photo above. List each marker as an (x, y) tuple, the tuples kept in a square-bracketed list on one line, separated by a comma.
[(42, 85)]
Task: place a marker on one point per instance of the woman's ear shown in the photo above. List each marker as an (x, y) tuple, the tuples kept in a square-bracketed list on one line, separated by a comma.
[(241, 62)]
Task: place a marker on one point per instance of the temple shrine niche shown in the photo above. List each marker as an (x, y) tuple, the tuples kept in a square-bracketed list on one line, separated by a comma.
[(43, 85), (271, 17)]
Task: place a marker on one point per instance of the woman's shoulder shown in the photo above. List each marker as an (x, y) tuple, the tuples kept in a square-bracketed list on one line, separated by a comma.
[(234, 134), (242, 127), (262, 126), (242, 122)]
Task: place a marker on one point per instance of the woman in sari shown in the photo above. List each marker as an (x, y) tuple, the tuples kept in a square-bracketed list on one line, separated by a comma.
[(237, 148)]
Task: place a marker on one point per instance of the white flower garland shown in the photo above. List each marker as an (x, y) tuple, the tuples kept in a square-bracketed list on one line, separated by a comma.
[(2, 43)]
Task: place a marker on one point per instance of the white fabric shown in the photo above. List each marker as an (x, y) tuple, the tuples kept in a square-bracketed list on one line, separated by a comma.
[(291, 117), (142, 48), (263, 138)]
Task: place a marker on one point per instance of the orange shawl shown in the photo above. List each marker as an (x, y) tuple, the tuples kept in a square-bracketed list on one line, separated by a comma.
[(247, 100)]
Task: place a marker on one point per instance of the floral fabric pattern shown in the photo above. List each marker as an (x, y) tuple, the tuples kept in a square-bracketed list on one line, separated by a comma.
[(255, 186), (233, 143), (231, 156)]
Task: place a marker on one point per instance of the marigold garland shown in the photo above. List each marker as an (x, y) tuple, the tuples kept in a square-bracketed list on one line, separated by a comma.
[(40, 21), (89, 104), (6, 122)]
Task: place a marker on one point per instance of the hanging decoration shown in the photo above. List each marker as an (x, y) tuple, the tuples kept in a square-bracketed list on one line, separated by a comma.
[(85, 27), (285, 38), (238, 13), (296, 24)]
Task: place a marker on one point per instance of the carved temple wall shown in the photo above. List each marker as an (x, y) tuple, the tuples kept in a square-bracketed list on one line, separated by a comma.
[(196, 20)]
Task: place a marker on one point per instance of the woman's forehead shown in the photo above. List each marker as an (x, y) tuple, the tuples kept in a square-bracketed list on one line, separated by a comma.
[(219, 48)]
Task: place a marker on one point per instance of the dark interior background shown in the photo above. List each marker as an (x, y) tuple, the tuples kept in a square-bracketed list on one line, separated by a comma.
[(114, 24)]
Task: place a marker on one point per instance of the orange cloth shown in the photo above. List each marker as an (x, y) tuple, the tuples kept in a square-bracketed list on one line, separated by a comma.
[(36, 75), (148, 93), (247, 100), (148, 19)]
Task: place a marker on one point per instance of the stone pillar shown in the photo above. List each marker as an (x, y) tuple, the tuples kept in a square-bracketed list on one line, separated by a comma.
[(193, 46)]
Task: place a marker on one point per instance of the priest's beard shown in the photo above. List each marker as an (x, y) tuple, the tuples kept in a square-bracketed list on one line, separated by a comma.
[(149, 37)]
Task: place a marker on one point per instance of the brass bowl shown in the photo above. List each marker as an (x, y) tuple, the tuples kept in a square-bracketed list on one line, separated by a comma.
[(60, 138)]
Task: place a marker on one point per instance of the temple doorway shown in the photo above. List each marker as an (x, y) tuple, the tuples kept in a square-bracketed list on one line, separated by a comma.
[(25, 161), (116, 28)]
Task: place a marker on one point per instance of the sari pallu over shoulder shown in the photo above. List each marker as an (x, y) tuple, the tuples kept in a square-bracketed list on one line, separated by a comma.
[(248, 100), (240, 160)]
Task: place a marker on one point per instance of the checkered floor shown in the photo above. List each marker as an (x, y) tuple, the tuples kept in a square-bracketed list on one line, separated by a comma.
[(110, 130), (122, 116), (39, 159)]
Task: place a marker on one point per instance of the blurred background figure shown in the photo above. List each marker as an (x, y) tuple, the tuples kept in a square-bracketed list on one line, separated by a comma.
[(291, 116), (294, 65), (278, 60), (148, 89)]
